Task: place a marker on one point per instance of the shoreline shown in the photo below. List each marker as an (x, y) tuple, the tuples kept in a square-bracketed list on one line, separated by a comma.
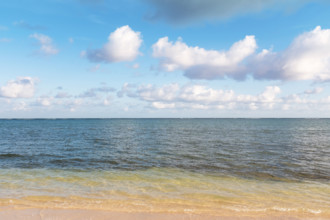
[(92, 214)]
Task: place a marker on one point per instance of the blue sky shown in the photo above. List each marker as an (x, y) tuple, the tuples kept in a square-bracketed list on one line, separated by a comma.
[(164, 58)]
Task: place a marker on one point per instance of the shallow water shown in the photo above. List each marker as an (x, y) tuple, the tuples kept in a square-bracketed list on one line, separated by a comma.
[(217, 166)]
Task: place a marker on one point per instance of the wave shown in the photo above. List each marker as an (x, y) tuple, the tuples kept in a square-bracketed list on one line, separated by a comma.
[(10, 155)]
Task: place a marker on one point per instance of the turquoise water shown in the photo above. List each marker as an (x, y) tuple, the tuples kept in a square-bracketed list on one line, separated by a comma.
[(168, 165)]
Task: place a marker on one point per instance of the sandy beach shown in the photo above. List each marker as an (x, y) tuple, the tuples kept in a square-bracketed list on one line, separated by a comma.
[(71, 214), (76, 214), (9, 213)]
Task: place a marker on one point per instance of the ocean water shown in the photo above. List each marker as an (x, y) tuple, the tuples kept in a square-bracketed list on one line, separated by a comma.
[(234, 167)]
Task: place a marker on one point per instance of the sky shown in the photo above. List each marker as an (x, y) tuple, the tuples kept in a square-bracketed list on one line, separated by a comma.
[(164, 58)]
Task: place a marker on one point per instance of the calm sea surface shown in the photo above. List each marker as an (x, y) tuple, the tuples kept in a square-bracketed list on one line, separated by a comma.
[(213, 166)]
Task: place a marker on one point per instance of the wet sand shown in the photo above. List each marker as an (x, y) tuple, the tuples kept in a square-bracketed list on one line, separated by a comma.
[(77, 214), (71, 214)]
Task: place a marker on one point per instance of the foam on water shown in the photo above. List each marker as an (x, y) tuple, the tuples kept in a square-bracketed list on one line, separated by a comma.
[(160, 190)]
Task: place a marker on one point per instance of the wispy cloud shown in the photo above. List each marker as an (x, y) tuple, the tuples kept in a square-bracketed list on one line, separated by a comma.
[(313, 91), (25, 25), (136, 66), (5, 40), (46, 44), (98, 96), (94, 68), (3, 28), (179, 12), (62, 95), (91, 93), (44, 101), (95, 19)]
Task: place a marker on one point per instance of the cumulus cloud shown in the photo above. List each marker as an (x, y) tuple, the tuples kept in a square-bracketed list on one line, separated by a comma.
[(184, 11), (201, 63), (46, 44), (123, 45), (22, 87), (201, 97), (306, 58)]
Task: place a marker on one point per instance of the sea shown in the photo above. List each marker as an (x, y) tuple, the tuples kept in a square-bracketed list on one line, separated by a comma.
[(220, 167)]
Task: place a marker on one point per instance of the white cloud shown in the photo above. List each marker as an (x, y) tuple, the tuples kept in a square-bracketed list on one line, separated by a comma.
[(178, 55), (22, 87), (126, 89), (97, 97), (269, 94), (45, 101), (21, 106), (307, 58), (46, 43), (107, 101), (123, 45), (269, 103), (200, 97)]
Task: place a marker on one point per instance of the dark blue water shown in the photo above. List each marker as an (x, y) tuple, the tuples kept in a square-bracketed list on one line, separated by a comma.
[(279, 149)]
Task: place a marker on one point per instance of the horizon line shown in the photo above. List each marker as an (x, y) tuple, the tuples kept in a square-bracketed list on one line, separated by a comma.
[(100, 118)]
